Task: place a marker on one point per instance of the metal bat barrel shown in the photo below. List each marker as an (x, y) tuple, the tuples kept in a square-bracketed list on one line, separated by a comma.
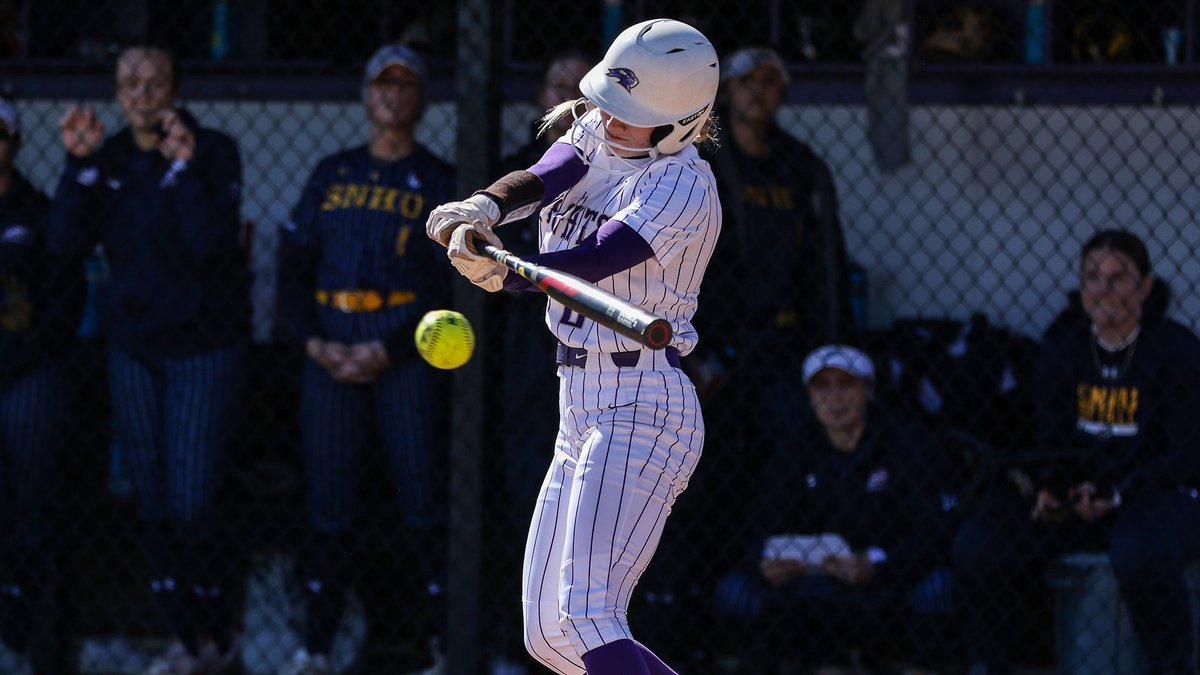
[(588, 299)]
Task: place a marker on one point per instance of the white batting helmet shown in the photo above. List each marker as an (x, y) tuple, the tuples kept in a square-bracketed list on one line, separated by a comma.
[(661, 74)]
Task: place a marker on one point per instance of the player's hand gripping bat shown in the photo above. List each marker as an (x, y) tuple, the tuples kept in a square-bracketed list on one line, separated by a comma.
[(587, 299)]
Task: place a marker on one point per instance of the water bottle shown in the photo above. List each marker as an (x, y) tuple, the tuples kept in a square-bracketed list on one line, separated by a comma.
[(1035, 31), (224, 35), (1172, 38)]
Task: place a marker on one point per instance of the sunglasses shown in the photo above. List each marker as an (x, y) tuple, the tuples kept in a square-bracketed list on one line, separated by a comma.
[(7, 135)]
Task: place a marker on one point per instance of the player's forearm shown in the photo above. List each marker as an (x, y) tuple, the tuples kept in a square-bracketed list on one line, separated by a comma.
[(208, 213), (70, 223), (297, 280), (614, 248), (519, 194)]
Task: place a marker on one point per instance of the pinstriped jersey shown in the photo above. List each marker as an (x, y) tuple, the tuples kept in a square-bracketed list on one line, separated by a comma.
[(360, 225), (670, 201)]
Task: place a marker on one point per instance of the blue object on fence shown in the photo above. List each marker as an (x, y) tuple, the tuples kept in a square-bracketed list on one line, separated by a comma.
[(224, 35), (611, 22), (1172, 39), (1035, 31)]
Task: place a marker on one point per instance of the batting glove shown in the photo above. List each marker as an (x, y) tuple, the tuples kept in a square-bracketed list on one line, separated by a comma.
[(481, 270), (446, 218)]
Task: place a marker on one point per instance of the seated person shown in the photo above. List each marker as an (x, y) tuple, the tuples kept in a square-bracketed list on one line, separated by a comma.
[(856, 471), (1118, 426)]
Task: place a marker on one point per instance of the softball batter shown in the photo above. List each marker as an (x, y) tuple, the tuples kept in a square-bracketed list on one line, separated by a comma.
[(626, 203)]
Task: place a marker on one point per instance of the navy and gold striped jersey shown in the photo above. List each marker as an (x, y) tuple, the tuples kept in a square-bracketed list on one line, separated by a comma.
[(357, 265)]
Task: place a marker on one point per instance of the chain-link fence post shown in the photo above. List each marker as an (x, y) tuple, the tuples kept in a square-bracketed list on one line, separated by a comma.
[(478, 120)]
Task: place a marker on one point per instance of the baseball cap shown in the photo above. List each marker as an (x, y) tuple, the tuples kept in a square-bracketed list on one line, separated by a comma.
[(843, 357), (9, 115), (392, 55), (743, 61)]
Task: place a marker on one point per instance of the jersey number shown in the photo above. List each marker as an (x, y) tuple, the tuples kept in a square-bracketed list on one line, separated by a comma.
[(571, 318)]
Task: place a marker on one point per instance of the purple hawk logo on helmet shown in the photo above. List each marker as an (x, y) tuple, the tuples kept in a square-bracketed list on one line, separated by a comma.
[(624, 77)]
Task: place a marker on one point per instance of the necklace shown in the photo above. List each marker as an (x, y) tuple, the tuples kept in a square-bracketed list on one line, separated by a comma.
[(1112, 372)]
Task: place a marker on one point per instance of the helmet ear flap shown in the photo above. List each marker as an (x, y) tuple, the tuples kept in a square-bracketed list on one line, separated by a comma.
[(659, 134)]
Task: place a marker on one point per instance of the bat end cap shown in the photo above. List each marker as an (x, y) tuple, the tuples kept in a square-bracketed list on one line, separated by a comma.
[(658, 334)]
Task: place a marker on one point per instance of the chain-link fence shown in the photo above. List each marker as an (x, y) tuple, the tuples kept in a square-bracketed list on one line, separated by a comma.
[(236, 469)]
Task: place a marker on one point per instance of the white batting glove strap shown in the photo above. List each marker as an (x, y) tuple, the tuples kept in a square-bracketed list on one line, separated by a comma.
[(479, 269), (446, 218)]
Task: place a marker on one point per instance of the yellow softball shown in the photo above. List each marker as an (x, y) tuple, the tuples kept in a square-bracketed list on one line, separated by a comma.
[(445, 339)]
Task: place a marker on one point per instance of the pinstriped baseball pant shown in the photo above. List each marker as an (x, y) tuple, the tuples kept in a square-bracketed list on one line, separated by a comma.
[(628, 442), (174, 416), (32, 409), (335, 420)]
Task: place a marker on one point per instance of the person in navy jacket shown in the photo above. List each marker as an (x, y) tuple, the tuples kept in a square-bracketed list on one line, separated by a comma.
[(162, 196), (41, 302), (1118, 427), (855, 470)]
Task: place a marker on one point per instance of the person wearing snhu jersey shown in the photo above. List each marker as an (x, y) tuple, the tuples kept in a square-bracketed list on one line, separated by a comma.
[(1116, 414), (357, 276), (163, 196)]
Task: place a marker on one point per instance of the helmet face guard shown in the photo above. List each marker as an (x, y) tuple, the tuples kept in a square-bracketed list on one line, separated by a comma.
[(599, 139), (660, 74)]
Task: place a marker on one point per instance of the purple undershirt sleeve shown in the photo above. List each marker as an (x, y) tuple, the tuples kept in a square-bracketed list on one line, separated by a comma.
[(559, 169), (613, 248)]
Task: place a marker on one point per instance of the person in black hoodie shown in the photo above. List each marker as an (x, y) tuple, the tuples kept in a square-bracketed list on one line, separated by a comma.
[(163, 196), (783, 254), (851, 469), (41, 302), (1118, 430), (784, 291)]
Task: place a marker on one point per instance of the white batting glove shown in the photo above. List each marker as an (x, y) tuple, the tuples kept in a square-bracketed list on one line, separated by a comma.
[(479, 269), (446, 218)]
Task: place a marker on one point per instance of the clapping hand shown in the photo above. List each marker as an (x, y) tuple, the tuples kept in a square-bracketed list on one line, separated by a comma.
[(177, 142), (82, 131)]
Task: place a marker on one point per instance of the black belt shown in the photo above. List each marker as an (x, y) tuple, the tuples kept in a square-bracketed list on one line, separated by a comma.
[(576, 357)]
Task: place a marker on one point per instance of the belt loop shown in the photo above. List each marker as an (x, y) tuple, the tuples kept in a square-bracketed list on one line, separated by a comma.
[(626, 359)]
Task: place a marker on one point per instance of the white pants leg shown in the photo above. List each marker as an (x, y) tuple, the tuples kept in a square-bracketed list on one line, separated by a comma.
[(627, 445)]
